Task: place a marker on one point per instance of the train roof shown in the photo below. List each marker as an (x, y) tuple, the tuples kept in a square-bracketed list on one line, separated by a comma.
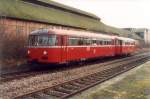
[(72, 33), (125, 39), (78, 34)]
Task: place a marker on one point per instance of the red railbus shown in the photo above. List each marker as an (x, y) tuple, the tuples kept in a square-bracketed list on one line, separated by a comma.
[(60, 46)]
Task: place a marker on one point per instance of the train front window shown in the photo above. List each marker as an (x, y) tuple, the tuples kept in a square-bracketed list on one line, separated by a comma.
[(33, 40), (52, 40), (43, 40)]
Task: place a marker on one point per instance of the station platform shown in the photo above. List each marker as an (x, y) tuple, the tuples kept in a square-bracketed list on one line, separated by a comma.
[(134, 84)]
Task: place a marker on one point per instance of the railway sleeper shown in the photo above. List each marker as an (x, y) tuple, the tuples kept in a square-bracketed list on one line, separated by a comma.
[(61, 89), (95, 77), (101, 78), (105, 75), (76, 84), (82, 82), (91, 79), (41, 95), (26, 97), (88, 81), (55, 93), (105, 72), (85, 80), (70, 87)]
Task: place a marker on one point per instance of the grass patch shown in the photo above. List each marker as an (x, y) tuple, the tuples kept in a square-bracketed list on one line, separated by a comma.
[(135, 86)]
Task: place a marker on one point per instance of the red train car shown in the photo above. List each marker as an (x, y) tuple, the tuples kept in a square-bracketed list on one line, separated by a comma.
[(60, 46)]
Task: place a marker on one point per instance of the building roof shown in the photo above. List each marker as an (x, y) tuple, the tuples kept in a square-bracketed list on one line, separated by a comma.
[(52, 4), (21, 9), (137, 29), (29, 11)]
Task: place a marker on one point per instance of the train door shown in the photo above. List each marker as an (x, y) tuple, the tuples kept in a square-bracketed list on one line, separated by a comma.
[(118, 46), (63, 48)]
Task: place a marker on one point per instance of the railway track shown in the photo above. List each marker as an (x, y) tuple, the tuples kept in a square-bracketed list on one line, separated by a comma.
[(34, 71), (19, 75), (72, 87)]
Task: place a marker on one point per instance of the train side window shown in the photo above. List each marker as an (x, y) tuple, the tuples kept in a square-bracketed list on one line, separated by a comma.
[(73, 41), (109, 42), (98, 42), (53, 40), (84, 41), (117, 42), (132, 43), (105, 42), (94, 42), (123, 43), (128, 43), (87, 41), (101, 42), (81, 41)]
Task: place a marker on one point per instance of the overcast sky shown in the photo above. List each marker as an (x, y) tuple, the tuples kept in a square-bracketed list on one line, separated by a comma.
[(118, 13)]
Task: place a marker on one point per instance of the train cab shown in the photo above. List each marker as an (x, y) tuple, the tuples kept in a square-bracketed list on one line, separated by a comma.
[(43, 47)]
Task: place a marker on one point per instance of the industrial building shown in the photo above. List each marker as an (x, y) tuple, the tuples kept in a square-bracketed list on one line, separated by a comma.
[(143, 33)]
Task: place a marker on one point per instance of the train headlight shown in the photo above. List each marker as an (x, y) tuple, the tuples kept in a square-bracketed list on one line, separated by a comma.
[(28, 52), (45, 53)]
